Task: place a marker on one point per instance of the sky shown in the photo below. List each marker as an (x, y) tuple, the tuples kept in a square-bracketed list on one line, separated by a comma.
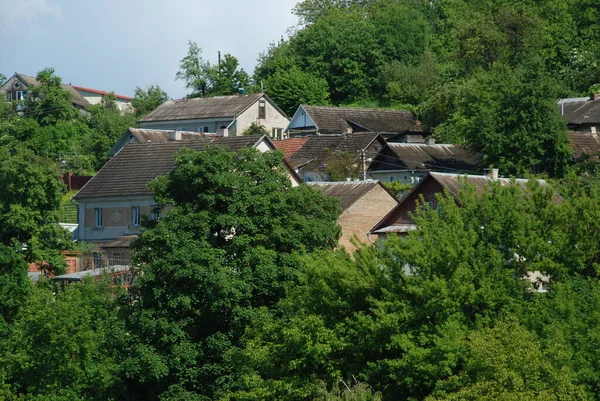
[(117, 45)]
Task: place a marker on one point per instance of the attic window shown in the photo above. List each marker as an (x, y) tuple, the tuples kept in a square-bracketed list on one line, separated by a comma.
[(9, 96), (262, 114)]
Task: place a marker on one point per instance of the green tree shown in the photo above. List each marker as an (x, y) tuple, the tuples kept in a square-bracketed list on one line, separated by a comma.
[(144, 101), (255, 129), (292, 87), (49, 102), (224, 249)]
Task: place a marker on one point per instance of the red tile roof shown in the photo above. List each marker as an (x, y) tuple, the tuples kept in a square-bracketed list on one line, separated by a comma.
[(290, 146)]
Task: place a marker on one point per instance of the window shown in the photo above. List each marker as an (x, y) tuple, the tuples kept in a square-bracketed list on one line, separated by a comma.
[(9, 96), (97, 217), (154, 213), (390, 178), (262, 113), (430, 204), (135, 215), (203, 129), (21, 95), (277, 133), (97, 260)]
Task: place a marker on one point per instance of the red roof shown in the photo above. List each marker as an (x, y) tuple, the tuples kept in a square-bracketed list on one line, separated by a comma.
[(290, 146), (99, 92)]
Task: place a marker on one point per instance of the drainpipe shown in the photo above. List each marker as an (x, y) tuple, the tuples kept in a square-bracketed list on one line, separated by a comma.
[(363, 164)]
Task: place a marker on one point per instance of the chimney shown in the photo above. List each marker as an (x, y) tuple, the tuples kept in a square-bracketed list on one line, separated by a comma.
[(222, 132), (494, 174), (174, 135), (595, 96), (348, 130), (593, 129), (430, 141)]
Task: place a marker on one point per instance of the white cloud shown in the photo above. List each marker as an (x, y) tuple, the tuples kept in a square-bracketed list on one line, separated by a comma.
[(23, 16)]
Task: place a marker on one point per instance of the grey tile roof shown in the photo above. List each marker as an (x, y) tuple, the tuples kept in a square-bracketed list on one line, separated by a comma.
[(203, 107), (77, 99), (137, 164), (341, 119), (347, 192), (580, 111), (318, 150), (437, 157)]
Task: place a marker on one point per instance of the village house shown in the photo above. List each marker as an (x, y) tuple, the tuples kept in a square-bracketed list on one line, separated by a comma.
[(95, 96), (112, 203), (324, 120), (584, 143), (224, 115), (363, 204), (136, 135), (340, 157), (18, 89)]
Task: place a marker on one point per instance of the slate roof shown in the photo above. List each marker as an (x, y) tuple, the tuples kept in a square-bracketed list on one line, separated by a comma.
[(580, 111), (205, 107), (137, 164), (289, 146), (347, 192), (584, 143), (437, 157), (77, 99), (341, 119), (157, 135)]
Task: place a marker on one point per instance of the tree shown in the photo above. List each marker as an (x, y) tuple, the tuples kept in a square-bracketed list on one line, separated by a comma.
[(292, 87), (224, 250), (49, 102), (205, 79), (30, 194), (144, 101), (255, 129)]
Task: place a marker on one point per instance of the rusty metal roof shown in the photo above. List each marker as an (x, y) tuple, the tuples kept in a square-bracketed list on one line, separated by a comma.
[(584, 143), (347, 192), (448, 157), (344, 119)]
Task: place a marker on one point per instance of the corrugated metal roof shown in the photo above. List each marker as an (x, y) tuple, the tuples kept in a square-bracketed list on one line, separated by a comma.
[(137, 164), (203, 107), (399, 228), (440, 157), (155, 135), (580, 111), (78, 276), (348, 192), (342, 119)]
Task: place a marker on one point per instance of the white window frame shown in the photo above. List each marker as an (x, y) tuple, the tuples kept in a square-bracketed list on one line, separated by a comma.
[(154, 213), (97, 217), (135, 216), (21, 95), (9, 96)]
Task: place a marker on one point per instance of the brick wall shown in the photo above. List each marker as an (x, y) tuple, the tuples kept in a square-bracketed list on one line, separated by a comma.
[(360, 218)]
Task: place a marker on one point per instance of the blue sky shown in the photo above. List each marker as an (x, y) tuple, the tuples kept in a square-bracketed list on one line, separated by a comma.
[(116, 45)]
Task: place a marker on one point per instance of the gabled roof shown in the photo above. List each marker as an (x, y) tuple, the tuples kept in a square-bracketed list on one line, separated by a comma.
[(397, 220), (205, 107), (580, 111), (437, 157), (584, 143), (103, 93), (342, 120), (290, 146), (153, 135), (77, 99), (137, 164), (348, 192), (318, 150)]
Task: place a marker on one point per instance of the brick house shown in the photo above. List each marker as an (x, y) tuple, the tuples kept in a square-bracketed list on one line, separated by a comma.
[(363, 204)]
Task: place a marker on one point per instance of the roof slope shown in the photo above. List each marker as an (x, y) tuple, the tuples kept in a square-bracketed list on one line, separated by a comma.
[(579, 111), (290, 146), (341, 119), (442, 157), (584, 143), (348, 192), (202, 107), (103, 93), (157, 135), (137, 164), (77, 99)]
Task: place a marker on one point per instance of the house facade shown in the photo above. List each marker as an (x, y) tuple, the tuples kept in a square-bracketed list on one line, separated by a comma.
[(363, 203), (114, 202), (581, 114), (323, 120), (223, 115)]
